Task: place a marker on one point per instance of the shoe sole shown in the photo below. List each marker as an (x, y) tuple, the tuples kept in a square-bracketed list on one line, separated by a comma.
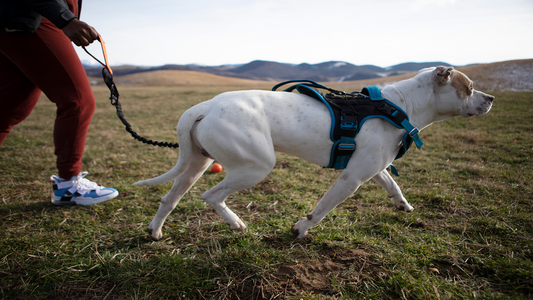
[(84, 201)]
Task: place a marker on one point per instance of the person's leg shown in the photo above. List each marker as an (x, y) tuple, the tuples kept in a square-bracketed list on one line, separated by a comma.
[(73, 96), (49, 60), (18, 95)]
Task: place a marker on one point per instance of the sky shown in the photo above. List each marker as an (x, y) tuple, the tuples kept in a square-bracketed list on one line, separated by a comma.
[(361, 32)]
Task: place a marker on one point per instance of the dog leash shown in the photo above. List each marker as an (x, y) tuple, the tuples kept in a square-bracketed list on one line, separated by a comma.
[(107, 74)]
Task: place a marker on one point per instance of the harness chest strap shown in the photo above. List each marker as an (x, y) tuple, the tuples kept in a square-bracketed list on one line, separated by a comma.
[(375, 94)]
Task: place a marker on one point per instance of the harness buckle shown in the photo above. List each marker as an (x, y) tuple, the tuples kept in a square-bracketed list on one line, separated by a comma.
[(348, 122), (413, 132), (346, 147), (388, 109), (348, 126)]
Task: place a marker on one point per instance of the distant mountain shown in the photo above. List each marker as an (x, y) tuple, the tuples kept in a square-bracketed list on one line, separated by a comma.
[(269, 70), (259, 69), (414, 67)]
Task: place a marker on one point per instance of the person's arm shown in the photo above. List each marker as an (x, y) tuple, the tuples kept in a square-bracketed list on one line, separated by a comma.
[(57, 12)]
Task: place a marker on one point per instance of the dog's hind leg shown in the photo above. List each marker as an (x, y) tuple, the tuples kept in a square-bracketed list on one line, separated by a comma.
[(384, 179), (243, 176), (181, 185)]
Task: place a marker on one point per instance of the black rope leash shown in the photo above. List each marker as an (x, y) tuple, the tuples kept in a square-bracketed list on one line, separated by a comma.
[(107, 74), (134, 134)]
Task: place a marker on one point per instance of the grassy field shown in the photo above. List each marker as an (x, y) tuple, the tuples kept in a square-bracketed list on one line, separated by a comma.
[(470, 235)]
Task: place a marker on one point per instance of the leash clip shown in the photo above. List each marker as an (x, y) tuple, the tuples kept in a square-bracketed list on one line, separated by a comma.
[(113, 99)]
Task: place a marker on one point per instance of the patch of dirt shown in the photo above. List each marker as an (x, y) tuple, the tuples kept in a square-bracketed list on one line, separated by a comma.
[(267, 186), (335, 267), (449, 269), (284, 164), (82, 292)]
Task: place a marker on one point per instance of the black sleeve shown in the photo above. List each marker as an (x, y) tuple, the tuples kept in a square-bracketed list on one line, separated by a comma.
[(56, 11)]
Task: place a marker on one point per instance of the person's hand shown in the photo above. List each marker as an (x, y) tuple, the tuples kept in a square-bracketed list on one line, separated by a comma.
[(80, 33)]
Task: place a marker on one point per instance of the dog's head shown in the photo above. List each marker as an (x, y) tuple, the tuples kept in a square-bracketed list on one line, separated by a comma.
[(455, 93)]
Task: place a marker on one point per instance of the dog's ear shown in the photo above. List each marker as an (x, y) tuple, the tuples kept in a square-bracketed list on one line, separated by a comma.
[(444, 74)]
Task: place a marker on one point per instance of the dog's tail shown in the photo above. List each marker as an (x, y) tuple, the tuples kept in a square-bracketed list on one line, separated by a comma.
[(184, 127)]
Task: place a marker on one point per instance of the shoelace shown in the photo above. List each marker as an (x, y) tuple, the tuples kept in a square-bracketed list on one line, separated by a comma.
[(82, 185)]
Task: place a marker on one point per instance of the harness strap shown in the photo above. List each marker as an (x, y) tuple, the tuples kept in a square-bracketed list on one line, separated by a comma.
[(412, 132), (373, 92), (347, 120)]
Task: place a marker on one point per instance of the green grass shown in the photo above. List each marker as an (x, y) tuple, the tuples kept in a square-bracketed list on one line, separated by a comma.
[(470, 235)]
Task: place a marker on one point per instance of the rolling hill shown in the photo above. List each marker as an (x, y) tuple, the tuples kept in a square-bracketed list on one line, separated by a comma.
[(514, 75), (268, 70), (179, 77)]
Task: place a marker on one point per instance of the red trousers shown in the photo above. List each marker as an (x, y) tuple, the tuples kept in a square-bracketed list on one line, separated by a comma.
[(46, 61)]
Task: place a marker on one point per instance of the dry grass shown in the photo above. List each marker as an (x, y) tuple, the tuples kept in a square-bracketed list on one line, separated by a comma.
[(180, 78)]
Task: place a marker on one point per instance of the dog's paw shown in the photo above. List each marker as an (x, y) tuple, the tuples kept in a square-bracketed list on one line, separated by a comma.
[(402, 204), (408, 208), (156, 236), (405, 207), (238, 225), (295, 230), (298, 228)]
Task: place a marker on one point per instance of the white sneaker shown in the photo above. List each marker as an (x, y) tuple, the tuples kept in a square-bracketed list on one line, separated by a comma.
[(80, 191)]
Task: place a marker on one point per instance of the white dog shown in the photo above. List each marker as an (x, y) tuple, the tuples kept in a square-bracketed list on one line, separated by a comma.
[(243, 130)]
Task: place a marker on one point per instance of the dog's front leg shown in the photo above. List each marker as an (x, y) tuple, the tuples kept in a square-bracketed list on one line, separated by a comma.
[(343, 188), (347, 183), (384, 179)]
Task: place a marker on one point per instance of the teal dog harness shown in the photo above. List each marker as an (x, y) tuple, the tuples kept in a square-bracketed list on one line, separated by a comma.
[(348, 114)]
